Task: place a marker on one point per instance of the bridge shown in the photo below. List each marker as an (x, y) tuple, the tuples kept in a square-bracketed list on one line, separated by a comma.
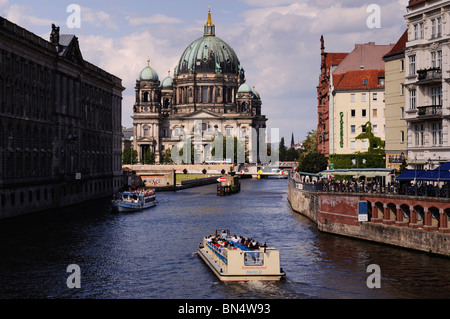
[(277, 170)]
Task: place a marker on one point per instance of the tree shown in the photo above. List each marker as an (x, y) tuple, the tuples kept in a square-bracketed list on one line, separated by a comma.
[(237, 146), (282, 150), (311, 144), (292, 154), (148, 157), (313, 163), (167, 156), (129, 156)]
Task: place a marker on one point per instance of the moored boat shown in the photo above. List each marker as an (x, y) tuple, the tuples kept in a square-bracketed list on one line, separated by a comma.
[(134, 201), (231, 258)]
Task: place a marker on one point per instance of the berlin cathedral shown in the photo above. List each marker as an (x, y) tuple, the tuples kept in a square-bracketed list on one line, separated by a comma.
[(208, 87)]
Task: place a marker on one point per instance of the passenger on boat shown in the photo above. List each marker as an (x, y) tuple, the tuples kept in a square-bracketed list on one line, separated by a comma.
[(224, 235)]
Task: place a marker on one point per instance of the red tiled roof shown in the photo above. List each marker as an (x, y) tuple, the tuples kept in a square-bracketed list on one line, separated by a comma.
[(334, 58), (353, 80), (400, 46)]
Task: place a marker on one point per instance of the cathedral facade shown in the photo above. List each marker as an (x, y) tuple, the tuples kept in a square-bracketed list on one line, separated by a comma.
[(207, 97)]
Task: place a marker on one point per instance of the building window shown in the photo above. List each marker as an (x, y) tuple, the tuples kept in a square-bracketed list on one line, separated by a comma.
[(402, 137), (412, 99), (422, 30), (434, 133), (353, 97), (416, 135), (380, 81), (363, 145), (402, 89), (439, 27), (433, 28), (436, 95), (363, 97), (402, 65), (375, 129), (416, 31), (353, 129), (352, 113), (422, 135), (412, 65), (363, 129), (363, 113), (402, 112), (375, 97), (375, 112), (352, 145), (440, 134)]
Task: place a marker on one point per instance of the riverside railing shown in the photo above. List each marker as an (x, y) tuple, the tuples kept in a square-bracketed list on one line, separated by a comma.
[(373, 187)]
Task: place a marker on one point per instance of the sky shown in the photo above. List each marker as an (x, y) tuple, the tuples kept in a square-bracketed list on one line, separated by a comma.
[(277, 41)]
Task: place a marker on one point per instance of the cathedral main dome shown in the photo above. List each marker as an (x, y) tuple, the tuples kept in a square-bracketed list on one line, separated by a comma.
[(209, 54)]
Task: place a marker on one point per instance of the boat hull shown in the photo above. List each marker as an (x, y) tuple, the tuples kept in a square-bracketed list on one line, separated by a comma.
[(134, 207), (216, 269)]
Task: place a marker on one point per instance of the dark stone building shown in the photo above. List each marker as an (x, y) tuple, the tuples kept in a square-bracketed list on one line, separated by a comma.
[(60, 123)]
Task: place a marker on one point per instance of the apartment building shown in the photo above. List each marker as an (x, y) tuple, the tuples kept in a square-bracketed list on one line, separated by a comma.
[(427, 111)]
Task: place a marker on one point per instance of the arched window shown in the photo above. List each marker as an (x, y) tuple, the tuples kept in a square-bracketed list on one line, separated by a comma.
[(146, 97)]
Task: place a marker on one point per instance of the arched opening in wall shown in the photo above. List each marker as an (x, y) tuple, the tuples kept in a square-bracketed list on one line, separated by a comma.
[(369, 211), (435, 218), (146, 97), (379, 210), (404, 209), (420, 214), (166, 103)]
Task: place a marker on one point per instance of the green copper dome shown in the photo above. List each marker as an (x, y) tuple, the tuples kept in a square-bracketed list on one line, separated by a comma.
[(245, 88), (209, 54), (148, 74), (167, 83)]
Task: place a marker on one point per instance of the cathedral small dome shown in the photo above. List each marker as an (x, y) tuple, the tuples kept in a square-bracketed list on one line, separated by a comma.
[(245, 88), (148, 74), (167, 83)]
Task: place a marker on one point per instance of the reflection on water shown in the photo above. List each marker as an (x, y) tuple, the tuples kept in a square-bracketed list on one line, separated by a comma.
[(152, 254)]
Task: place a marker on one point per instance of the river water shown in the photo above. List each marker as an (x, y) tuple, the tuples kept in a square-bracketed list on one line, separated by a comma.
[(153, 254)]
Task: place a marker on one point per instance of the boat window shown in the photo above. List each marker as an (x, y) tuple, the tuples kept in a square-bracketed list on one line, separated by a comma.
[(253, 259)]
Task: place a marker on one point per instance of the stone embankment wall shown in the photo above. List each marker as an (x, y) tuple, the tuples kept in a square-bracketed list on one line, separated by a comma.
[(338, 214)]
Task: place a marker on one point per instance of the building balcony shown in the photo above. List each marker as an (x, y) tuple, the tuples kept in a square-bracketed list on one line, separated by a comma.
[(433, 75), (430, 111)]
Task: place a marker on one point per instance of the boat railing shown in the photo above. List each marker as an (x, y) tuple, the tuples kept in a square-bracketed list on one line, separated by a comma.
[(217, 252)]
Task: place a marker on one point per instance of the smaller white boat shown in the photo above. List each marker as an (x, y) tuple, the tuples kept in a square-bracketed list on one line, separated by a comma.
[(134, 201), (231, 258)]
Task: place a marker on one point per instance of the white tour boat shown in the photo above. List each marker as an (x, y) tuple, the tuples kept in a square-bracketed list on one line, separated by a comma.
[(134, 201), (232, 260)]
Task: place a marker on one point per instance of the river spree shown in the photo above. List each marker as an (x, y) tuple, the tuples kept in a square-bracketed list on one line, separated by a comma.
[(153, 254)]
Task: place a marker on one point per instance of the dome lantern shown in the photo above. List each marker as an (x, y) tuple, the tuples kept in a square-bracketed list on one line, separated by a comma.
[(210, 29)]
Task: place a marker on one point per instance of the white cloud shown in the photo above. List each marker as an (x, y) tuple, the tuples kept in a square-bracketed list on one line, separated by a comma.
[(97, 19), (136, 20), (277, 43), (24, 16)]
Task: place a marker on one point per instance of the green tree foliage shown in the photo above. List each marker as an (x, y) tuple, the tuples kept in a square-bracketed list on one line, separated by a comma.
[(129, 156), (282, 150), (376, 144), (166, 157), (292, 155), (148, 158), (313, 162)]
